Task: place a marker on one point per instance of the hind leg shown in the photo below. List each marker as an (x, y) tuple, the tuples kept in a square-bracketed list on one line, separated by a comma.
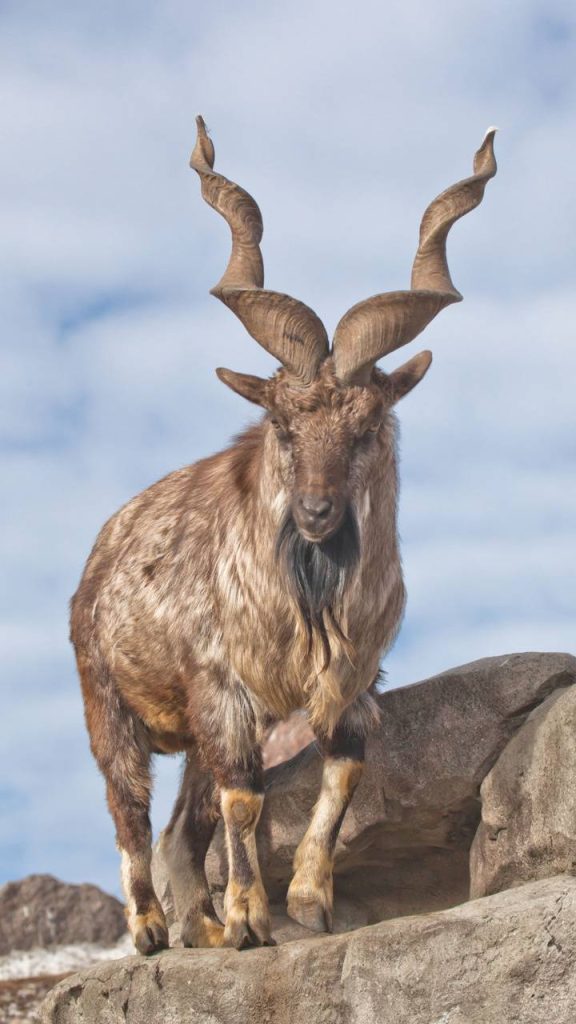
[(185, 844), (120, 744), (228, 732), (145, 916)]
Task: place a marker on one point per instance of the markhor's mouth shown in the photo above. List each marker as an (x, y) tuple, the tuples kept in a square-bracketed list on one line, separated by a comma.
[(317, 538), (322, 530)]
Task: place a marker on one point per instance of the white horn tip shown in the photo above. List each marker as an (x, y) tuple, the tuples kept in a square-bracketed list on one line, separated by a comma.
[(491, 130)]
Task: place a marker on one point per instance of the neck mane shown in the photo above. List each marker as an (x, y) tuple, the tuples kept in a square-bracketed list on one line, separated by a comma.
[(316, 575)]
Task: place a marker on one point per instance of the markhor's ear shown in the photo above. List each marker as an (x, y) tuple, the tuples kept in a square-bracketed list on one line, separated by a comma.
[(409, 374), (252, 388)]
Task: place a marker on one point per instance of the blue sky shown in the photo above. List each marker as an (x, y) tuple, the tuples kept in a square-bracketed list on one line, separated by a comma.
[(344, 124)]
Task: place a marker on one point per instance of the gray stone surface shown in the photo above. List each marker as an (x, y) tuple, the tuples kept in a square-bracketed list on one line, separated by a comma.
[(506, 958), (502, 728), (40, 910), (405, 842), (528, 827)]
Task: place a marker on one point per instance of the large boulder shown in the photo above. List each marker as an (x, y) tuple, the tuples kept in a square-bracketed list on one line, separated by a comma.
[(528, 827), (405, 842), (42, 911), (509, 957)]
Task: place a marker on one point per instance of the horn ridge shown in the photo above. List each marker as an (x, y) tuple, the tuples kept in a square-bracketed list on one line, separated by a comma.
[(379, 325), (285, 327), (240, 211), (430, 267)]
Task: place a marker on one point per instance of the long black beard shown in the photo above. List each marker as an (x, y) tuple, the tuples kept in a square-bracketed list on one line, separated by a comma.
[(317, 574)]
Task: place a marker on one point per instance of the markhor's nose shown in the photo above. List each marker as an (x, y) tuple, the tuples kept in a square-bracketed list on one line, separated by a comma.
[(315, 507)]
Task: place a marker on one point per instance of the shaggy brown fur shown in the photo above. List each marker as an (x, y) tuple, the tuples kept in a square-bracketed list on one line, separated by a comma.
[(187, 632), (260, 580)]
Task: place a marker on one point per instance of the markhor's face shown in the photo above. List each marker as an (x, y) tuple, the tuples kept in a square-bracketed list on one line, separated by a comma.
[(328, 441)]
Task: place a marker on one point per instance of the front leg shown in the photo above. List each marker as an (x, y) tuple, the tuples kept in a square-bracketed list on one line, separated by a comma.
[(310, 895), (245, 901)]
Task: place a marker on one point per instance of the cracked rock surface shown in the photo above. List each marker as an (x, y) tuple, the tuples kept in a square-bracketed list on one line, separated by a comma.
[(509, 957)]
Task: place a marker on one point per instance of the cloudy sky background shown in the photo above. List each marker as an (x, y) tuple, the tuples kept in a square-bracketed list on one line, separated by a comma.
[(344, 124)]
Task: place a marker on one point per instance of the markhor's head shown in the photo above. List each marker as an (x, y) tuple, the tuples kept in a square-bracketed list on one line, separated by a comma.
[(327, 436), (327, 406)]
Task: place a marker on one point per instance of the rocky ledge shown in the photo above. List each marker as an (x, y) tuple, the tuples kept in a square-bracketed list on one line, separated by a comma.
[(468, 791), (510, 957)]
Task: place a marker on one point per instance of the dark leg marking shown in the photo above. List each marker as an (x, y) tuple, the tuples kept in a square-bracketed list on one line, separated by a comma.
[(246, 903)]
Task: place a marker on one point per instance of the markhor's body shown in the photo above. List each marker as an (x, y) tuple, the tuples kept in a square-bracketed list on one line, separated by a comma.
[(260, 580)]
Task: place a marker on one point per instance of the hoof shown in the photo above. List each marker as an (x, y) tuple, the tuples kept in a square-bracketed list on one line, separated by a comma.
[(201, 931), (247, 919), (150, 935), (309, 904), (310, 913), (240, 933)]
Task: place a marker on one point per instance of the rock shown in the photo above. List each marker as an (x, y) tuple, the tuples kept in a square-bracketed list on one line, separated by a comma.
[(404, 845), (404, 850), (21, 998), (287, 739), (528, 827), (510, 957), (42, 911)]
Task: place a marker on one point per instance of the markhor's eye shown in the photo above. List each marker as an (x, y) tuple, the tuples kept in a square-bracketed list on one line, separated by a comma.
[(374, 428), (281, 432)]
